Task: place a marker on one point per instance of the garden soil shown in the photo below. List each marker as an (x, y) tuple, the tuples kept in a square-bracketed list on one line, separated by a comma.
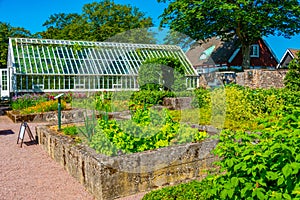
[(29, 173)]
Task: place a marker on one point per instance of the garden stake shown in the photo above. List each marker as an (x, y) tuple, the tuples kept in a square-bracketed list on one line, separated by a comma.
[(59, 110)]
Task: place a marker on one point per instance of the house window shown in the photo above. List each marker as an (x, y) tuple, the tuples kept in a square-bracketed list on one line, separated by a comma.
[(254, 51)]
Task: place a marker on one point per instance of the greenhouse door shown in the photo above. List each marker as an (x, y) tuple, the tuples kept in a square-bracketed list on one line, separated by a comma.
[(4, 92)]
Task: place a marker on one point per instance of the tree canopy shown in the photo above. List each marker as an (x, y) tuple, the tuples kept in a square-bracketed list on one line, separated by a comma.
[(66, 26), (6, 31), (248, 20), (98, 22)]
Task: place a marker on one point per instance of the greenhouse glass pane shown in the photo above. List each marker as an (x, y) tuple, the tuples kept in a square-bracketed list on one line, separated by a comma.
[(65, 82), (46, 82), (89, 59), (79, 65), (95, 62), (57, 82), (72, 78), (18, 82), (89, 64), (22, 68), (50, 60), (99, 62)]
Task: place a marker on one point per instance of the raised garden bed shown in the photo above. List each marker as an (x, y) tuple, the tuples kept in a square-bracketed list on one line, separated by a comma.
[(114, 177), (67, 116)]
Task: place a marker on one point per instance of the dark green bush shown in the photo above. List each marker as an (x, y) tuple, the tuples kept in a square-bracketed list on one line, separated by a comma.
[(148, 97)]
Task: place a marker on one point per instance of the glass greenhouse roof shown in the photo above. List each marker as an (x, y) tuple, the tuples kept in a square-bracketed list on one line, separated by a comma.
[(62, 57)]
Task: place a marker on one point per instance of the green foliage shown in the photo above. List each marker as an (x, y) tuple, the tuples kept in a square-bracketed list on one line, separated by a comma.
[(42, 107), (65, 26), (244, 105), (6, 31), (68, 97), (260, 165), (162, 73), (90, 123), (147, 130), (189, 191), (87, 102), (248, 20), (148, 97), (98, 22), (202, 98), (102, 101), (150, 77), (70, 130), (112, 101), (237, 107), (292, 78), (27, 100)]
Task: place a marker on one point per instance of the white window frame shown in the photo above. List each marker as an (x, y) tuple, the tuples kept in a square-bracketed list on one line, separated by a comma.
[(254, 51)]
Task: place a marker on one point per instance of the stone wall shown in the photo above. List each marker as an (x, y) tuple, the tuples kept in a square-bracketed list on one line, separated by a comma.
[(114, 177), (178, 103), (67, 116), (259, 78)]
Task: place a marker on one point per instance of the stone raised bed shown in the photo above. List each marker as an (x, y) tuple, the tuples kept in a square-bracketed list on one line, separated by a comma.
[(178, 103), (67, 116), (114, 177)]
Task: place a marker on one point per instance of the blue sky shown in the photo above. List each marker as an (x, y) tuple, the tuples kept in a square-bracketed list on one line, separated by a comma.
[(31, 14)]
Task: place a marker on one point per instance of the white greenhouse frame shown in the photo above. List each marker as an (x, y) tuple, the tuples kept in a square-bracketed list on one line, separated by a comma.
[(45, 65)]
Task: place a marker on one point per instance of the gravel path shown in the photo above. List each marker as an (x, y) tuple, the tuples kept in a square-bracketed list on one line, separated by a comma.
[(29, 173)]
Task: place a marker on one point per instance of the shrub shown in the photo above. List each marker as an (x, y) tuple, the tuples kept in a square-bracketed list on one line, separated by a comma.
[(140, 98), (202, 99), (236, 107), (260, 165), (162, 73)]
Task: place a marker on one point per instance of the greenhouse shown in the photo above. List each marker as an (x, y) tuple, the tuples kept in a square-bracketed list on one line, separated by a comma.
[(44, 65)]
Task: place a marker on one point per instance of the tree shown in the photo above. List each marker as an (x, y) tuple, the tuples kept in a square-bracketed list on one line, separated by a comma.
[(107, 19), (6, 31), (66, 26), (292, 78), (248, 20), (98, 22)]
